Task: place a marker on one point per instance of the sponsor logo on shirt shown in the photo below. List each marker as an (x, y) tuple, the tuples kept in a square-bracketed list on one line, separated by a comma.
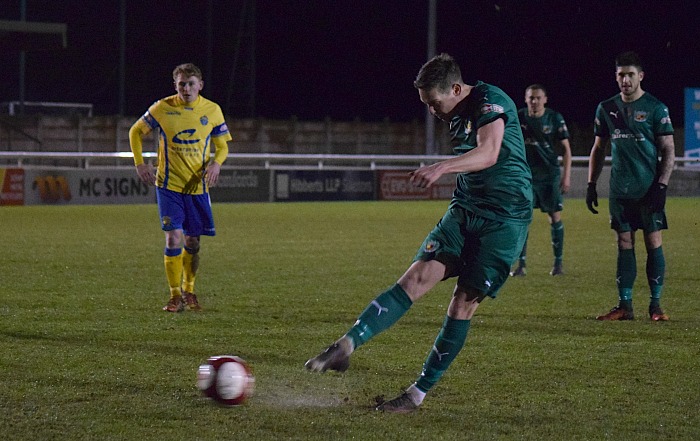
[(488, 108), (179, 137)]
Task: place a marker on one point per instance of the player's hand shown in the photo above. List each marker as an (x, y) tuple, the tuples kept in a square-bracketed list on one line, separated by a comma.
[(145, 172), (592, 197), (564, 185), (656, 197), (425, 176), (211, 174)]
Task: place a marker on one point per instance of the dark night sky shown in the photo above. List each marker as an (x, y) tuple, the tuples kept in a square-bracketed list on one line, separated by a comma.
[(351, 59)]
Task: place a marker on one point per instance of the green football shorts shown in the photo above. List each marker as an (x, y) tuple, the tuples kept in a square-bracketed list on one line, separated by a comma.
[(633, 214), (477, 250), (547, 196)]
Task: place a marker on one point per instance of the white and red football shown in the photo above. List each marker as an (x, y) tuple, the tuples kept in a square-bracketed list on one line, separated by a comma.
[(226, 379)]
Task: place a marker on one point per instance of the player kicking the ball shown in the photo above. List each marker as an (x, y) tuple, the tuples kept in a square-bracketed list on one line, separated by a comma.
[(478, 238)]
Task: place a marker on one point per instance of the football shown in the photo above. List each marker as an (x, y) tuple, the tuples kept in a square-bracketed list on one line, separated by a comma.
[(226, 379)]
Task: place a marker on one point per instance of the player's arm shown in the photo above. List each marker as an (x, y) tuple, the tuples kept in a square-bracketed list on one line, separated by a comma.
[(596, 161), (656, 195), (213, 170), (595, 167), (668, 157), (565, 183), (136, 134), (488, 145)]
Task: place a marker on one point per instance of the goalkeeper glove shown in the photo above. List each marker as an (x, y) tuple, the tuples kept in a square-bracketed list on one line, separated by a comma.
[(656, 197), (592, 197)]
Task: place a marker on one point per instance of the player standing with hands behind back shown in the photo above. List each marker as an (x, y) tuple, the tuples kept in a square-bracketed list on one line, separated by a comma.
[(639, 128), (543, 130), (187, 125)]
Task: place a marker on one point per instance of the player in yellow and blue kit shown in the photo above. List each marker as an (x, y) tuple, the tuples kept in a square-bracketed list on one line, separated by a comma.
[(187, 124)]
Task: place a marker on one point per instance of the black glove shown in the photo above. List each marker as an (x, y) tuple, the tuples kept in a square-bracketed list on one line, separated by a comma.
[(656, 197), (592, 197)]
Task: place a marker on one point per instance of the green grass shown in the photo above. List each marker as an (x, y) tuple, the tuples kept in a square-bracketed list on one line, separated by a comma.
[(88, 354)]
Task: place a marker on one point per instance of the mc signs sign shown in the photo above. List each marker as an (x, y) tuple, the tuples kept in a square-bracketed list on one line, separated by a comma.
[(53, 186)]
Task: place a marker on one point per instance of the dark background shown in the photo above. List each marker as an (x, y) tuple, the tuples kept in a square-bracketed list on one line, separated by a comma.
[(355, 58)]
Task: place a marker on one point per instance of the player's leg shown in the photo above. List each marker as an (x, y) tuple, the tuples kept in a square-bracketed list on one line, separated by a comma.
[(173, 269), (199, 220), (171, 211), (436, 259), (625, 277), (448, 344), (655, 270), (625, 219), (190, 264), (484, 272), (381, 313), (521, 269), (556, 226)]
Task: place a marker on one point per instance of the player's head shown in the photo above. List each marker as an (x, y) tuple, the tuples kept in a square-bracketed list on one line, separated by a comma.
[(535, 98), (440, 86), (188, 81), (629, 75)]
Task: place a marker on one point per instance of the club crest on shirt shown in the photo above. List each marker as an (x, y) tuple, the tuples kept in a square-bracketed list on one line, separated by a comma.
[(546, 130), (468, 128), (204, 120), (431, 247), (640, 116)]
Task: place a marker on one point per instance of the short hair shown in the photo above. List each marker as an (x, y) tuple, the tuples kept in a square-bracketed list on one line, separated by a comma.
[(536, 86), (629, 58), (440, 72), (188, 70)]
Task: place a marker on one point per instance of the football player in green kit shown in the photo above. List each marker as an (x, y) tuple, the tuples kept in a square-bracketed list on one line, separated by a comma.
[(477, 239), (543, 130), (639, 129)]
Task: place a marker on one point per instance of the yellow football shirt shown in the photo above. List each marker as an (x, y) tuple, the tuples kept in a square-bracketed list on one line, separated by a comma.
[(185, 133)]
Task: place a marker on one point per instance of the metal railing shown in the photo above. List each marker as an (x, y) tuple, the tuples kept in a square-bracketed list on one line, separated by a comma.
[(258, 160)]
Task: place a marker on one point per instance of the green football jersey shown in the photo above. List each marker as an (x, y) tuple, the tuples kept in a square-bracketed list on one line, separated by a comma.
[(541, 135), (632, 129), (503, 191)]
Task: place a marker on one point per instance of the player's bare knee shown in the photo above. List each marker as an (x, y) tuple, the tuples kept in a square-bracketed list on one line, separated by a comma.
[(192, 242), (625, 241)]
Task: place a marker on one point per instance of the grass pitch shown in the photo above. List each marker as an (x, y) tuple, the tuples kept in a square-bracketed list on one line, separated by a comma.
[(87, 352)]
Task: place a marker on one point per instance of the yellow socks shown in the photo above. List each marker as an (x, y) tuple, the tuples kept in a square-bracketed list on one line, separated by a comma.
[(190, 263), (173, 270)]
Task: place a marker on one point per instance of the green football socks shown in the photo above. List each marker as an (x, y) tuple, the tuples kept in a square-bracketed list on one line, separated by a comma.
[(656, 267), (447, 345), (557, 230), (626, 274), (523, 252), (380, 314)]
